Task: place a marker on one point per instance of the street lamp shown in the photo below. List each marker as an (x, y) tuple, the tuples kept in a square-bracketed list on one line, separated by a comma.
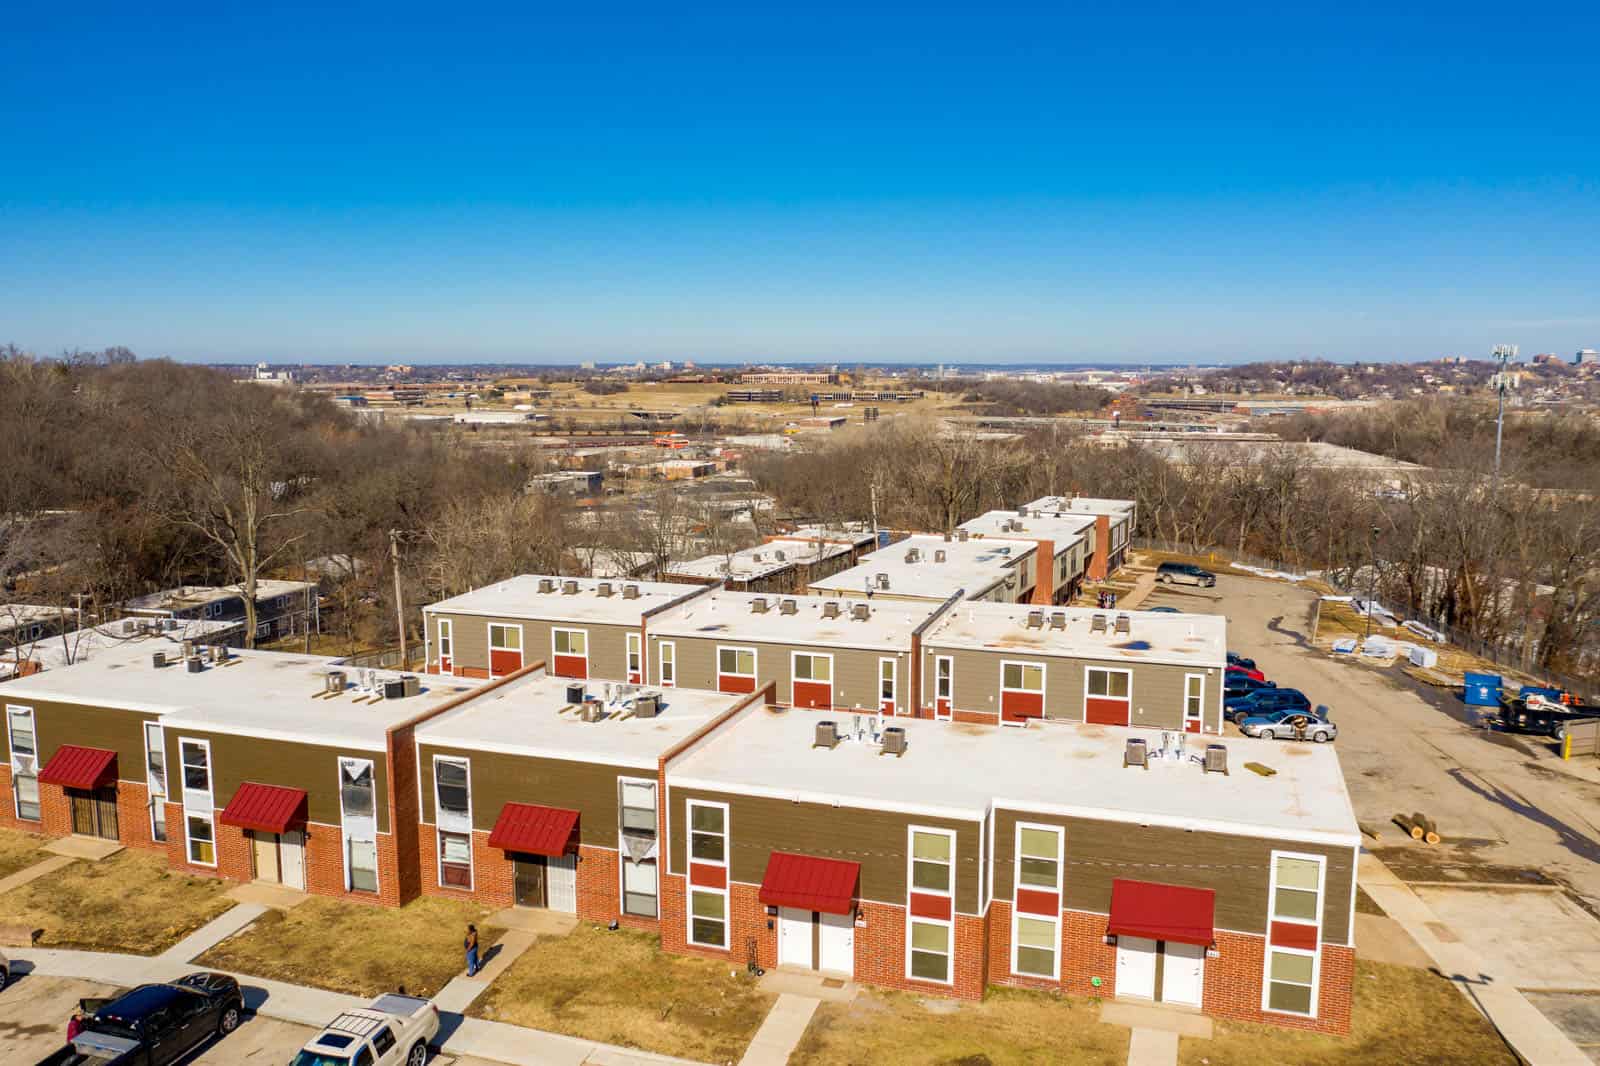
[(1372, 580)]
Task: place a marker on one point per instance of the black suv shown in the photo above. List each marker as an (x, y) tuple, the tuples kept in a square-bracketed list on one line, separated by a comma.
[(1185, 574), (154, 1025)]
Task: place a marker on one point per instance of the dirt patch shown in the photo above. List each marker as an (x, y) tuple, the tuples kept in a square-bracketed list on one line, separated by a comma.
[(356, 948), (1365, 904), (130, 903), (1455, 863)]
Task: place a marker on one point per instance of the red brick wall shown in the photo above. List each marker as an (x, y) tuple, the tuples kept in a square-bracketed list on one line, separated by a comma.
[(55, 812), (8, 805), (133, 816), (1100, 562), (401, 756), (493, 877), (1044, 574)]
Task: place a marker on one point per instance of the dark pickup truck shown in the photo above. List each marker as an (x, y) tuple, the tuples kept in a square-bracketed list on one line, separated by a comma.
[(1542, 717), (154, 1025)]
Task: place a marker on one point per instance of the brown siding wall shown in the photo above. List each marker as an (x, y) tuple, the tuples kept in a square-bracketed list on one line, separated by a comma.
[(608, 644), (312, 767), (55, 724), (855, 671), (498, 779), (758, 826), (1157, 688), (1237, 867)]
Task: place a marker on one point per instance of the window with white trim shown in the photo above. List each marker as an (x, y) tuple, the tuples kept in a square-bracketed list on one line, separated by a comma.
[(886, 681), (201, 839), (636, 824), (196, 757), (809, 667), (667, 656), (1039, 858), (638, 807), (455, 860), (932, 871), (708, 833), (358, 813), (1022, 677), (932, 861), (635, 657), (929, 950), (1194, 696), (1035, 937), (570, 642), (708, 843), (199, 808), (155, 773), (452, 801), (1296, 897), (1110, 684), (736, 662), (639, 888), (1296, 888), (24, 748), (504, 637), (447, 641)]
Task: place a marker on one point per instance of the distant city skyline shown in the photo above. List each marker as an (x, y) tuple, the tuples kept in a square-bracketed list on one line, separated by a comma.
[(833, 185)]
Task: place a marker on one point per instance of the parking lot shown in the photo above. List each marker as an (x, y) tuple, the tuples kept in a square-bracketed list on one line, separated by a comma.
[(1516, 820)]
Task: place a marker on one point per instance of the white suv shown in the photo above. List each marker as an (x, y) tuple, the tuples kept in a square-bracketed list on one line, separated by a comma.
[(395, 1029)]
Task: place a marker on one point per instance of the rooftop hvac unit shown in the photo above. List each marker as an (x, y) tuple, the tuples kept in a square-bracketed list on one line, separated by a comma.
[(569, 588), (1058, 620), (912, 555), (830, 609), (647, 706), (394, 689), (883, 581), (158, 659), (1097, 624), (962, 535), (1023, 511), (546, 585), (413, 685), (1035, 619), (1135, 753), (947, 536), (1124, 624), (128, 627), (1216, 759), (758, 605), (860, 612), (603, 589), (195, 664), (188, 649), (788, 606), (755, 557), (827, 735), (333, 683), (780, 557), (894, 741), (630, 592), (169, 624), (938, 555), (575, 694), (219, 653), (593, 710)]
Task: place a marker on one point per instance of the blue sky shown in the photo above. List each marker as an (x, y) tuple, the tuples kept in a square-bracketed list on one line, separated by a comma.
[(920, 183)]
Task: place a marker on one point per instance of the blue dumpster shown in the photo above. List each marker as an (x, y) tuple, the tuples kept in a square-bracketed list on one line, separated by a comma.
[(1483, 690)]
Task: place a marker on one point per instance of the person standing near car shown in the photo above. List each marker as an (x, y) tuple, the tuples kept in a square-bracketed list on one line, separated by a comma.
[(75, 1024), (471, 944)]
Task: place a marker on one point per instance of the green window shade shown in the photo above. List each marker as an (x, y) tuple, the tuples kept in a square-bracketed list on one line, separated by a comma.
[(1289, 967), (1040, 843), (930, 846), (1298, 873)]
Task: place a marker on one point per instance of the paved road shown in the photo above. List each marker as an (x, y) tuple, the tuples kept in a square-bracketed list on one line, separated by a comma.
[(1500, 801)]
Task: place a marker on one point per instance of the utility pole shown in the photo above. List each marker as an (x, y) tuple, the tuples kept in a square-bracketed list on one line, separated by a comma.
[(1503, 353), (399, 598), (1372, 582)]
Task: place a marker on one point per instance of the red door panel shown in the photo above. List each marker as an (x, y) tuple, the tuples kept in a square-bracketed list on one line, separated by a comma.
[(1191, 725), (726, 683), (445, 666), (502, 663), (571, 666), (941, 708), (1037, 901), (886, 706), (1020, 706), (817, 695), (1103, 711)]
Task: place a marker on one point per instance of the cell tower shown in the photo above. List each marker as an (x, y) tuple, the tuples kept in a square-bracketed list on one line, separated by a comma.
[(1503, 354)]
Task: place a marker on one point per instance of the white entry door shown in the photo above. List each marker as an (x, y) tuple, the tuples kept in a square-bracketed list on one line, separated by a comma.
[(1183, 971), (562, 885), (1136, 968), (292, 859), (794, 938), (265, 847), (836, 944)]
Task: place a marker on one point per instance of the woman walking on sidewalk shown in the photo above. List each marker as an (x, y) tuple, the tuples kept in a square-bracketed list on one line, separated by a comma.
[(471, 944)]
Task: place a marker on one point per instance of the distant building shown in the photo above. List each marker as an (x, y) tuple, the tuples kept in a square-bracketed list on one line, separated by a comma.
[(1586, 357), (265, 375), (788, 377)]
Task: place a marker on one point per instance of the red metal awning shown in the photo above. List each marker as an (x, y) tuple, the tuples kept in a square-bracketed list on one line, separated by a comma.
[(1162, 912), (533, 830), (809, 883), (75, 767), (265, 808)]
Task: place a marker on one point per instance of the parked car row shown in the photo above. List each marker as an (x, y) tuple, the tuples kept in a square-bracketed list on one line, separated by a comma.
[(1261, 709)]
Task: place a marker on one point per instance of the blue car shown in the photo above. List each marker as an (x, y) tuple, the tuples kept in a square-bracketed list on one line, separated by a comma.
[(1263, 701), (1291, 725)]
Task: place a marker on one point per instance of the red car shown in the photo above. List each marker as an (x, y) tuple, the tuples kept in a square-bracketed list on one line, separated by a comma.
[(1253, 674)]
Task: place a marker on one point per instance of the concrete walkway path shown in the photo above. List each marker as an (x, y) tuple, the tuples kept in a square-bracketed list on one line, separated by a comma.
[(1153, 1047), (1536, 1038), (459, 992), (34, 872), (1143, 586), (781, 1032), (213, 932)]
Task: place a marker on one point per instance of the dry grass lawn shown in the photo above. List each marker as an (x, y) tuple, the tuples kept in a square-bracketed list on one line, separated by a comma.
[(18, 851), (1401, 1016), (130, 903), (620, 988), (1009, 1028), (356, 948)]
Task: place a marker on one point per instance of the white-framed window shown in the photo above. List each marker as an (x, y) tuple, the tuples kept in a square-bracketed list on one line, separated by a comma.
[(640, 890), (1103, 683), (196, 756), (574, 642), (504, 637), (358, 811), (455, 860), (635, 653), (636, 825), (155, 774), (887, 671), (447, 644), (637, 807), (1194, 697), (24, 747), (736, 662), (1295, 897), (199, 807), (1022, 677), (213, 610), (812, 666), (930, 870), (1036, 938), (200, 836), (708, 844), (944, 681), (452, 806), (667, 664)]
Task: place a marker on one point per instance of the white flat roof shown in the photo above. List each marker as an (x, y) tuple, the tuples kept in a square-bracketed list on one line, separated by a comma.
[(259, 693), (763, 559), (888, 625), (1152, 637), (1061, 529), (533, 717), (519, 597), (81, 645), (973, 566), (17, 615), (853, 532), (195, 595), (1091, 505), (958, 770)]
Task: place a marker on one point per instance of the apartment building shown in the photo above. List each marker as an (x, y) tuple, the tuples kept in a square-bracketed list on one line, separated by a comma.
[(927, 567), (942, 861), (816, 652), (778, 566), (1010, 663), (583, 627), (1115, 521), (282, 607), (1065, 547)]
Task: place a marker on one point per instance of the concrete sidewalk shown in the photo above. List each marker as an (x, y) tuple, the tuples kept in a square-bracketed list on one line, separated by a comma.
[(1536, 1038), (213, 932), (785, 1024), (1153, 1047)]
